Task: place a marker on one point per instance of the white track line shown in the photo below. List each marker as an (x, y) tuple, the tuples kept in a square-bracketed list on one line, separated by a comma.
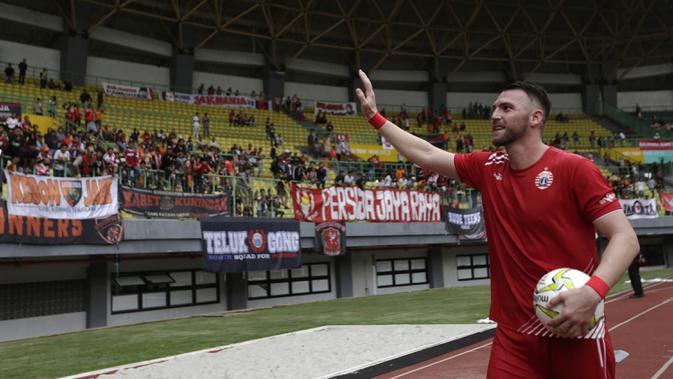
[(663, 369), (623, 294), (616, 297), (440, 361), (642, 313)]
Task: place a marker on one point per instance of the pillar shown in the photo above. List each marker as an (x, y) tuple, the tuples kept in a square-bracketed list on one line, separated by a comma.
[(74, 46), (182, 71), (436, 267), (98, 306), (437, 95), (237, 291), (343, 269)]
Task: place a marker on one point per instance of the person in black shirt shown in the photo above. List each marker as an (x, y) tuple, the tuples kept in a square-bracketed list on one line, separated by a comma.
[(9, 73), (634, 276), (23, 67), (339, 179)]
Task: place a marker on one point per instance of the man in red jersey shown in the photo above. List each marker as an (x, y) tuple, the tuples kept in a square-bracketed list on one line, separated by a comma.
[(542, 207)]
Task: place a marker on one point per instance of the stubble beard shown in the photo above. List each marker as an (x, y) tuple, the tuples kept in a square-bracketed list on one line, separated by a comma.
[(508, 137)]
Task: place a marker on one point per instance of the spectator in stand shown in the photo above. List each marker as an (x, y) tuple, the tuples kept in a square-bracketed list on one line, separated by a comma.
[(195, 122), (85, 98), (339, 179), (12, 122), (23, 67), (38, 108), (52, 106), (312, 141), (131, 160), (43, 78), (200, 89), (61, 160), (111, 161), (211, 90), (9, 73), (89, 163), (349, 179), (43, 161), (98, 117), (26, 125), (51, 84), (67, 85), (90, 120), (206, 125), (100, 99)]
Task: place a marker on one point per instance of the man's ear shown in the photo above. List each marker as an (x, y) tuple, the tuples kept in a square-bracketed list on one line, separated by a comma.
[(536, 116)]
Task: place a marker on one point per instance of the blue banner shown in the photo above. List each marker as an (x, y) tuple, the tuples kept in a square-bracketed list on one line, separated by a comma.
[(249, 244)]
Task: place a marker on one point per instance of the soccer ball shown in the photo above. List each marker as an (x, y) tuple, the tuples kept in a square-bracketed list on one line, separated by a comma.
[(554, 282)]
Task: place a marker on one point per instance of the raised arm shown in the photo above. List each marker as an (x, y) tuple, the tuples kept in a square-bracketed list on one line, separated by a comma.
[(413, 148)]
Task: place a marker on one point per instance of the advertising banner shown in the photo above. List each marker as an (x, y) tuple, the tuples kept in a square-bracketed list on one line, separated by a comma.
[(61, 198), (373, 205), (330, 238), (366, 151), (655, 144), (225, 101), (120, 90), (468, 224), (47, 231), (632, 154), (219, 100), (8, 109), (249, 244), (639, 208), (347, 109), (173, 204)]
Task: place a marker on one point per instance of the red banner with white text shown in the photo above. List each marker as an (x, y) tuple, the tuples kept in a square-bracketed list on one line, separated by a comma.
[(372, 205), (655, 144), (667, 201)]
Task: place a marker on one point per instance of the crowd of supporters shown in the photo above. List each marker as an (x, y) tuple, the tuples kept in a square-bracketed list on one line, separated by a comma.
[(159, 160)]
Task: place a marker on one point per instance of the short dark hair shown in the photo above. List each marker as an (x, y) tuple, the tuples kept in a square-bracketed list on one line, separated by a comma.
[(534, 92)]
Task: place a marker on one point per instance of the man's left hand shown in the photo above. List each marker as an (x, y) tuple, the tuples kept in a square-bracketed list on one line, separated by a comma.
[(579, 305)]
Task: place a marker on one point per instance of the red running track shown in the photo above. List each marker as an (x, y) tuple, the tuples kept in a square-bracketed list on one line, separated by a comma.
[(642, 327)]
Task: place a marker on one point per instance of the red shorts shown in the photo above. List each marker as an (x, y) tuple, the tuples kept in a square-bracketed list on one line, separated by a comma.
[(516, 355)]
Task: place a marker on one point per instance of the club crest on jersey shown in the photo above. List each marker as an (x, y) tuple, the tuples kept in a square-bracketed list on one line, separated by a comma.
[(544, 179)]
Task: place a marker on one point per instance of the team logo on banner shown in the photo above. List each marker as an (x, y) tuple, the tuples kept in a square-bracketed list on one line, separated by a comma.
[(330, 238), (72, 191), (667, 201), (110, 230), (257, 240), (307, 203)]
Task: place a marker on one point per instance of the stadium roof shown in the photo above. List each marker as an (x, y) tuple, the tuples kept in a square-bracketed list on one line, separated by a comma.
[(441, 36)]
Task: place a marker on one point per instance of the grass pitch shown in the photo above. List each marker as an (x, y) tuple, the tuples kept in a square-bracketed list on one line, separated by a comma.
[(72, 353)]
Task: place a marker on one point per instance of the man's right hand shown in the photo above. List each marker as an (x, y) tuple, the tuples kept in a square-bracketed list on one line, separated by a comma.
[(367, 98)]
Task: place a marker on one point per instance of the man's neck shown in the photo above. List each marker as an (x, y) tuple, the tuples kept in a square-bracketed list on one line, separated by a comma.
[(523, 155)]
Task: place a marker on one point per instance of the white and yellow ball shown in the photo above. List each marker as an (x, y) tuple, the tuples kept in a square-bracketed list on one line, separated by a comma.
[(555, 282)]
